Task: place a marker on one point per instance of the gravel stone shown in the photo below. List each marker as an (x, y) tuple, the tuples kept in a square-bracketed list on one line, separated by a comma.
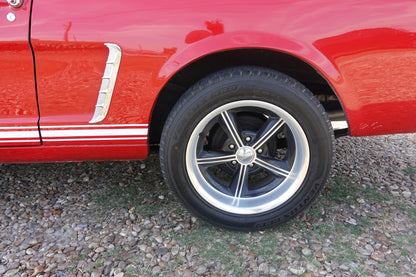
[(407, 194), (11, 273), (306, 251), (311, 267), (283, 273), (108, 266), (344, 268), (156, 270), (118, 219), (264, 268), (100, 250), (201, 270), (175, 250), (351, 221), (296, 270), (95, 274), (161, 251)]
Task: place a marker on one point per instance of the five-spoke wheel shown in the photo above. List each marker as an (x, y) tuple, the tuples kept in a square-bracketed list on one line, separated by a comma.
[(247, 148), (249, 177)]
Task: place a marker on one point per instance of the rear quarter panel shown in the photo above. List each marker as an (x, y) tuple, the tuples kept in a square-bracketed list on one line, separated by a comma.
[(364, 49)]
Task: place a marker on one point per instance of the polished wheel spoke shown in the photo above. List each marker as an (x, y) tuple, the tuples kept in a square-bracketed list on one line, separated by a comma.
[(231, 127), (270, 128), (239, 184), (276, 167), (247, 157), (214, 158)]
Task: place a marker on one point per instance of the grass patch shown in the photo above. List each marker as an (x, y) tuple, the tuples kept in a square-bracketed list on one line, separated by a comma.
[(405, 240), (409, 211), (405, 243), (410, 170), (347, 190), (209, 243), (389, 268), (128, 197), (113, 253), (343, 253), (172, 265), (221, 246), (344, 191), (74, 261), (138, 190)]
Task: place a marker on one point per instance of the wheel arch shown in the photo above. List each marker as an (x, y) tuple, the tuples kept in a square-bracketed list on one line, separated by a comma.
[(283, 62)]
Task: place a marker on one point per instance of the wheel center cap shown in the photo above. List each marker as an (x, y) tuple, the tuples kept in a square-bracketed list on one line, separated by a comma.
[(246, 155)]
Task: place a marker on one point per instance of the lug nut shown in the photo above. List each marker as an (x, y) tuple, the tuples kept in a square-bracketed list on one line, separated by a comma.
[(260, 151), (234, 162), (248, 139), (251, 165), (231, 146)]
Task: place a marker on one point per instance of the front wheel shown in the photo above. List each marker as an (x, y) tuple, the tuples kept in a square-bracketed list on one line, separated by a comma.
[(247, 148)]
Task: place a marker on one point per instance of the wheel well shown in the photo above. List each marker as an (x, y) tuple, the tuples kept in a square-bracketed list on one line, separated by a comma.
[(282, 62)]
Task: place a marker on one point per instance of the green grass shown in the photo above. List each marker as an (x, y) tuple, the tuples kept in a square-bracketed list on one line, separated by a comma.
[(390, 269), (409, 211), (139, 191), (405, 243), (130, 272), (207, 241), (345, 190), (172, 265), (96, 264), (115, 253), (343, 193), (410, 170), (220, 246), (128, 197), (75, 261)]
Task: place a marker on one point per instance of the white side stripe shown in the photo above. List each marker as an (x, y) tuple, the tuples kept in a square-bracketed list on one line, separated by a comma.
[(20, 141), (93, 126), (74, 133), (18, 128), (19, 134), (97, 139), (93, 133)]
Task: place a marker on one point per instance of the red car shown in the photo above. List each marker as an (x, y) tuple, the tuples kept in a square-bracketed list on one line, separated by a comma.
[(244, 98)]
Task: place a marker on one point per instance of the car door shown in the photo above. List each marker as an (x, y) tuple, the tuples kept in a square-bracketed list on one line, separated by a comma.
[(18, 106), (87, 74)]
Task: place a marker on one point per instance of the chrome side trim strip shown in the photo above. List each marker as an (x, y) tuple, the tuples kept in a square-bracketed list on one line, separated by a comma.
[(108, 82)]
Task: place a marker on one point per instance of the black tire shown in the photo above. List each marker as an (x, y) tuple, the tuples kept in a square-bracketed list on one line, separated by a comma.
[(247, 148)]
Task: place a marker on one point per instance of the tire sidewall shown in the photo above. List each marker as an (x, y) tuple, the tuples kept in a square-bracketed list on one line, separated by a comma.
[(205, 98)]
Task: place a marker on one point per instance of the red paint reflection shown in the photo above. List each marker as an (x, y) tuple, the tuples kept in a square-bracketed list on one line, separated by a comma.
[(214, 27)]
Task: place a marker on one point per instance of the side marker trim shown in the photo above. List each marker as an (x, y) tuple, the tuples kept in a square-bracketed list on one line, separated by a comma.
[(108, 82)]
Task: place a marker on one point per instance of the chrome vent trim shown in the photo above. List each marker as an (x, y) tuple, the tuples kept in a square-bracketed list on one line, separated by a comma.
[(108, 82)]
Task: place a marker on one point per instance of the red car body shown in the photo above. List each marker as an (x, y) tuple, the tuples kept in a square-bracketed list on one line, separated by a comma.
[(244, 98), (53, 57)]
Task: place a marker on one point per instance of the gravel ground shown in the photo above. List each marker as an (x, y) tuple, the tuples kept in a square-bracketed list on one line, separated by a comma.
[(118, 219)]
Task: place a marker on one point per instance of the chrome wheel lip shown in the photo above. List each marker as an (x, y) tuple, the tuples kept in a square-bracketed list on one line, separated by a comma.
[(258, 204)]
